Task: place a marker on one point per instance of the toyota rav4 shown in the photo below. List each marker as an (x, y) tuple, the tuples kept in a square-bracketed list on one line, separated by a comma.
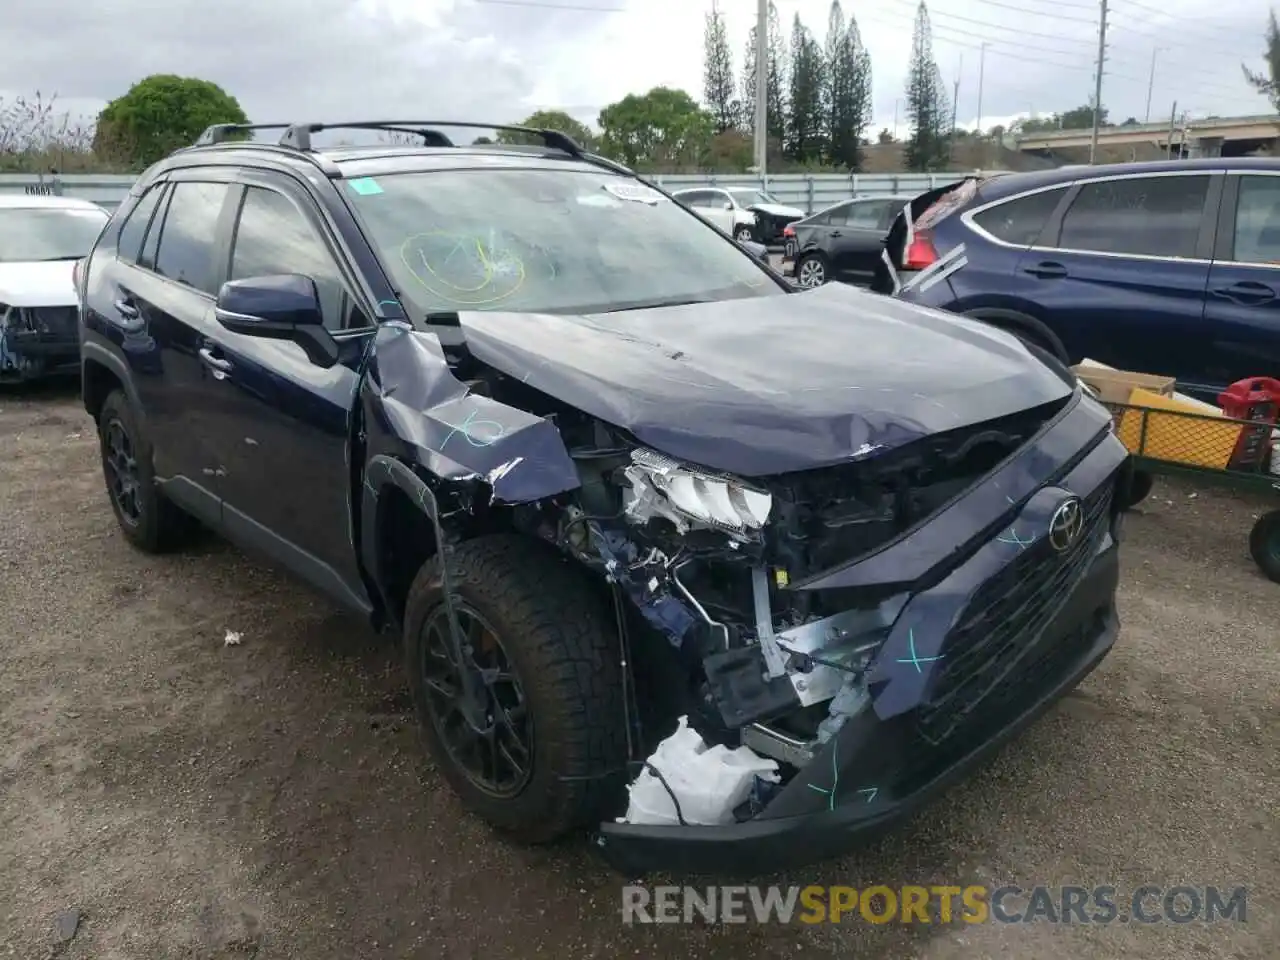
[(605, 474)]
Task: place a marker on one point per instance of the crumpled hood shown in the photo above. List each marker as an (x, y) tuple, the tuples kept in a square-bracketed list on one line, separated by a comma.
[(777, 210), (771, 384), (37, 284)]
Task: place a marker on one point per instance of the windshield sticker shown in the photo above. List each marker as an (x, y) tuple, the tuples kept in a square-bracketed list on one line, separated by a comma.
[(365, 186), (597, 200), (635, 192)]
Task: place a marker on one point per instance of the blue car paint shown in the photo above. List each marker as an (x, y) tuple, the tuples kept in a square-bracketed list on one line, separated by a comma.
[(1154, 315), (854, 376)]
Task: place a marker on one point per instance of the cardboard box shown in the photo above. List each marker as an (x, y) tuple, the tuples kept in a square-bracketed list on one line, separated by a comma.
[(1178, 431), (1116, 386)]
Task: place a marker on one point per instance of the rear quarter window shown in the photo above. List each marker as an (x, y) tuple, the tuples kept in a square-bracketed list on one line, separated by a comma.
[(1021, 220)]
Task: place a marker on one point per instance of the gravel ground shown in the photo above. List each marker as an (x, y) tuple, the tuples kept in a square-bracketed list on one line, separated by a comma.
[(179, 797)]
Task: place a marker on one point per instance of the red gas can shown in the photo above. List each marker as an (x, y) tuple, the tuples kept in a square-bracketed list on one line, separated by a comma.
[(1257, 399)]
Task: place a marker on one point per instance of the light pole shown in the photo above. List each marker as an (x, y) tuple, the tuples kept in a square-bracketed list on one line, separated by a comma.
[(1151, 82)]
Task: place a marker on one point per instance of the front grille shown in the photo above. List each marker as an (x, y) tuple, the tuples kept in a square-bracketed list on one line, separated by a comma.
[(986, 651), (826, 517)]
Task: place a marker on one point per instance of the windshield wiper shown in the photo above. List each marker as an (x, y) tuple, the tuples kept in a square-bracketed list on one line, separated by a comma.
[(76, 256), (655, 304)]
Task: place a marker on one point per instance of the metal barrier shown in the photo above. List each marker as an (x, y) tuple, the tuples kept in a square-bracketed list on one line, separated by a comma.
[(809, 192)]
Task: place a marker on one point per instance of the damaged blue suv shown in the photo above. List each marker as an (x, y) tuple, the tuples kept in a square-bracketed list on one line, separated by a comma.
[(600, 469)]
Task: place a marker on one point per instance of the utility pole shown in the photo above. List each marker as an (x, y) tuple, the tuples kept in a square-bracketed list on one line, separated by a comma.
[(982, 60), (1151, 82), (955, 109), (1097, 87), (762, 90), (1173, 118)]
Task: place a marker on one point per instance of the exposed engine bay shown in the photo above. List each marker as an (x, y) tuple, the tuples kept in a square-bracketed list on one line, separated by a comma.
[(712, 568)]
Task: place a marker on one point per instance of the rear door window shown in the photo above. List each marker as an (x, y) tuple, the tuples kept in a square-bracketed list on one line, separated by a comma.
[(1020, 221), (135, 227), (1257, 235), (867, 215), (1143, 216)]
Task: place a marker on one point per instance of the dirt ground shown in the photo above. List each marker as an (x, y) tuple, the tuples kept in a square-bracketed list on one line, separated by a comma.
[(179, 797)]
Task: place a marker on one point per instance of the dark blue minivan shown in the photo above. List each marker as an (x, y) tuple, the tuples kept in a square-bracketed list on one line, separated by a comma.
[(1170, 268)]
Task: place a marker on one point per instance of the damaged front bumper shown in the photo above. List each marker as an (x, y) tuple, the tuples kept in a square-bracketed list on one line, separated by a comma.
[(38, 342), (876, 772), (972, 656)]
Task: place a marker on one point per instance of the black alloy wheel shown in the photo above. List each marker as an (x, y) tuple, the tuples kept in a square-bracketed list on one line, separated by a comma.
[(489, 739), (123, 480)]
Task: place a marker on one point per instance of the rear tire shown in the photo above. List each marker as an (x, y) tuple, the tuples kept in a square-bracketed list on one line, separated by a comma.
[(1027, 329), (811, 271), (149, 520), (1140, 485), (561, 658), (1264, 544)]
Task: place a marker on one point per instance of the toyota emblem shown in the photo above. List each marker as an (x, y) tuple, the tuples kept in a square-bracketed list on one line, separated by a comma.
[(1065, 524)]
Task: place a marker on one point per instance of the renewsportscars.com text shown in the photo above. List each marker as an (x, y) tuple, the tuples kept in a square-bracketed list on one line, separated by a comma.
[(934, 904)]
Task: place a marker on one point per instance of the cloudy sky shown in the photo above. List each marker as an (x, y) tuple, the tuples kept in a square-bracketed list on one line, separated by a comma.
[(500, 59)]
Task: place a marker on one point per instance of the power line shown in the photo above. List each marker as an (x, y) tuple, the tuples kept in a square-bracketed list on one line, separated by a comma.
[(1040, 13), (548, 5)]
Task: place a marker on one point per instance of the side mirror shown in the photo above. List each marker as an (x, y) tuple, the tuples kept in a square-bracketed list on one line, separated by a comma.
[(280, 307), (757, 250)]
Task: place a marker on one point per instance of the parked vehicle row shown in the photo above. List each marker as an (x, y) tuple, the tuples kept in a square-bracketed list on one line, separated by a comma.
[(540, 421)]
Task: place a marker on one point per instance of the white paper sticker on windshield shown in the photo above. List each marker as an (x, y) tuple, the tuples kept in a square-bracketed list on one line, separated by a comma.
[(635, 192)]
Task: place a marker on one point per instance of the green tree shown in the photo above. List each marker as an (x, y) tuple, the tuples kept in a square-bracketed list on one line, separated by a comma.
[(884, 136), (776, 81), (717, 73), (1268, 84), (161, 113), (848, 70), (661, 129), (549, 120), (747, 89), (928, 110), (806, 128)]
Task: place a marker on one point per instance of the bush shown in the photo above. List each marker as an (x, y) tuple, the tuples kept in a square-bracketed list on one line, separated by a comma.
[(35, 137)]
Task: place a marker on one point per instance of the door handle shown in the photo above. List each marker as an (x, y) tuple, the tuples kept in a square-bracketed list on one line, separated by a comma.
[(836, 233), (1249, 290), (126, 309), (219, 365), (1046, 270)]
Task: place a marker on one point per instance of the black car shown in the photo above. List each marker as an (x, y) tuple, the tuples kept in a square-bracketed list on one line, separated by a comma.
[(600, 469), (842, 242)]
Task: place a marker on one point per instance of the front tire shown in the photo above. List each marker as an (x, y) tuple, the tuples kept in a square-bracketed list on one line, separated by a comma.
[(148, 520), (744, 234), (547, 754)]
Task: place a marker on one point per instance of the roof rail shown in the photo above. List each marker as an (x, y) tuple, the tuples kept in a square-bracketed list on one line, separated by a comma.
[(221, 132), (299, 135)]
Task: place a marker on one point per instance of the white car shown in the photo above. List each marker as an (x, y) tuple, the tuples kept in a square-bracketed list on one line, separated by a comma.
[(41, 238), (744, 212)]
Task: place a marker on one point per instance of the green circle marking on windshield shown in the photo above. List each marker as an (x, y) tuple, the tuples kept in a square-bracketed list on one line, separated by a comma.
[(464, 269)]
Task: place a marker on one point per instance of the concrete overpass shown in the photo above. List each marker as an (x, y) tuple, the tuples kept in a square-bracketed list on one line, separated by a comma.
[(1216, 137)]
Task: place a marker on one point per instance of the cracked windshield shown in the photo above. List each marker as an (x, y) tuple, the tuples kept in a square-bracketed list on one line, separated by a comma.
[(547, 242)]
